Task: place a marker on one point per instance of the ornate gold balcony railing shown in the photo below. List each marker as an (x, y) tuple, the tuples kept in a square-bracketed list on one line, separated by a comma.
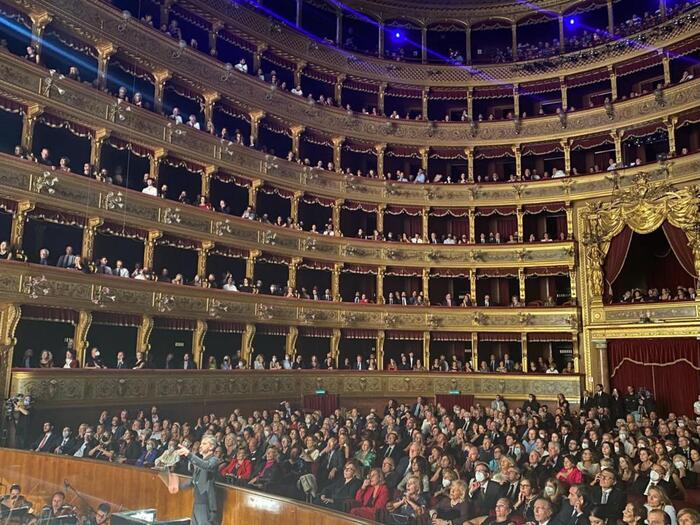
[(26, 181), (76, 388), (255, 27), (98, 24), (31, 85)]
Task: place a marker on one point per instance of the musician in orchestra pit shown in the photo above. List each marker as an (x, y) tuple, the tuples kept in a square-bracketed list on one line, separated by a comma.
[(14, 499), (51, 514)]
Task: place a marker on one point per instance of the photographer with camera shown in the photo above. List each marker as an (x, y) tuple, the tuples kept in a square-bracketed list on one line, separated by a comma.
[(17, 412)]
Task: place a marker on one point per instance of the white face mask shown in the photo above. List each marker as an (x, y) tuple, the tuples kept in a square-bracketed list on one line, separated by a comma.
[(584, 446), (66, 434), (480, 476), (446, 483), (679, 464), (654, 476), (149, 447), (549, 490)]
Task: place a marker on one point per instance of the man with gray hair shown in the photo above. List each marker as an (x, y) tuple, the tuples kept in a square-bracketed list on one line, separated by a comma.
[(205, 469)]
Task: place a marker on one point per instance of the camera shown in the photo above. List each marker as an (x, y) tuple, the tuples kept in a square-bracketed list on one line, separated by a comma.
[(16, 404)]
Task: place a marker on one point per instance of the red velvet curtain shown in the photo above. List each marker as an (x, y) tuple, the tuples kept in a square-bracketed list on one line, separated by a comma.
[(507, 225), (679, 244), (615, 260), (669, 367), (561, 226)]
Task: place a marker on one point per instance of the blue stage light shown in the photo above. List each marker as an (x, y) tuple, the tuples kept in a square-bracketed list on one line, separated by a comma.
[(572, 21)]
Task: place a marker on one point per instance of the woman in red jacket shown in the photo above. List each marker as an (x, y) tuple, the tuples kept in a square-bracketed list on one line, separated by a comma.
[(239, 468), (372, 495)]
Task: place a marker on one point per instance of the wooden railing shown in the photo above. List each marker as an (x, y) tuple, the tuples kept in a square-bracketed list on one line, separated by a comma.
[(125, 487)]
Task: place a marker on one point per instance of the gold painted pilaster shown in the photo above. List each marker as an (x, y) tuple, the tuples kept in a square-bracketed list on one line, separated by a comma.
[(475, 349), (564, 94), (468, 42), (425, 217), (562, 41), (255, 118), (572, 282), (666, 62), (338, 90), (154, 163), (379, 343), (253, 192), (524, 363), (247, 343), (575, 355), (296, 132), (250, 263), (294, 208), (470, 103), (202, 255), (257, 57), (337, 152), (424, 152), (335, 214), (601, 373), (298, 70), (566, 145), (616, 134), (671, 131), (143, 335), (290, 341), (520, 228), (292, 272), (569, 210), (89, 231), (210, 98), (514, 39), (19, 219), (424, 103), (517, 152), (28, 122), (198, 335), (104, 53), (469, 152), (205, 187), (425, 278), (516, 100), (40, 19), (472, 284), (380, 217), (521, 285), (160, 77), (213, 37), (10, 315), (380, 284), (335, 281), (80, 340), (613, 83), (426, 350), (382, 91), (380, 149), (96, 142), (334, 346), (149, 247), (471, 217)]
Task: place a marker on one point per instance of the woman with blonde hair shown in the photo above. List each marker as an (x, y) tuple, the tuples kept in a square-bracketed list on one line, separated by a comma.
[(657, 499), (456, 508)]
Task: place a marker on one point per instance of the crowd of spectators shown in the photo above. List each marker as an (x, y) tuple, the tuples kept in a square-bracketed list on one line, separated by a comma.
[(612, 461), (652, 295)]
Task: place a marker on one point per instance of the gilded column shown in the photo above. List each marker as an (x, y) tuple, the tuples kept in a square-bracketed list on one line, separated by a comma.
[(255, 118), (569, 209), (468, 43), (257, 57), (671, 131), (380, 149), (666, 62), (524, 363), (518, 154), (514, 39), (475, 351), (380, 43), (253, 192), (39, 22), (519, 217), (96, 142), (469, 152), (379, 343), (611, 18), (617, 137), (298, 70), (160, 77), (471, 217), (564, 93), (576, 352), (424, 103), (89, 231), (472, 284), (154, 163), (425, 215), (338, 91), (149, 248), (613, 83), (10, 315), (335, 214), (424, 44), (294, 209), (516, 100), (28, 122), (601, 375), (380, 97), (337, 152), (292, 272), (290, 341), (573, 285), (426, 350), (247, 343), (425, 277), (143, 335), (80, 340), (339, 27), (207, 175), (198, 335), (380, 284), (521, 285), (334, 348), (562, 46), (470, 103), (296, 132), (104, 52), (566, 145), (213, 37), (250, 263), (210, 98), (380, 217), (335, 281), (424, 151), (19, 219), (202, 255)]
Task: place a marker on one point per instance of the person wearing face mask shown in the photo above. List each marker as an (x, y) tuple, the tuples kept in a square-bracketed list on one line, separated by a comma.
[(149, 455), (68, 444), (653, 478), (676, 490), (483, 493)]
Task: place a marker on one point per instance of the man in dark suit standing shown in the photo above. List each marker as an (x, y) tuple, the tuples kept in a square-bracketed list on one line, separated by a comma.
[(482, 491), (606, 494), (601, 399), (187, 363), (205, 469)]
